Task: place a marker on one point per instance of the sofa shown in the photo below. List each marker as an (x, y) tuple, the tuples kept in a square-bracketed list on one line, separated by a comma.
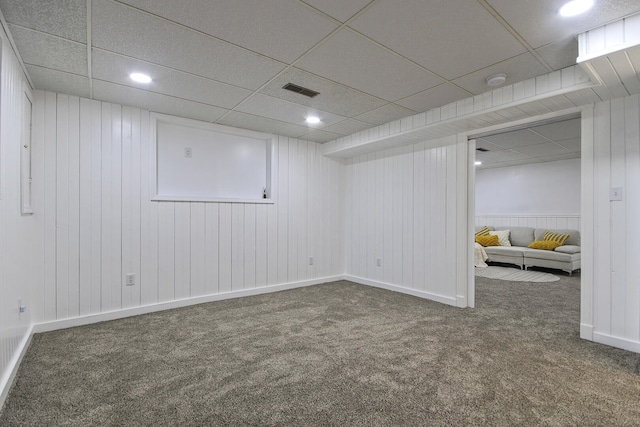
[(565, 257)]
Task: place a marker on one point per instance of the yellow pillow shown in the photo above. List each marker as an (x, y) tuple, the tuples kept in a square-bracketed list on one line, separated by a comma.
[(555, 237), (547, 245), (488, 240), (484, 231)]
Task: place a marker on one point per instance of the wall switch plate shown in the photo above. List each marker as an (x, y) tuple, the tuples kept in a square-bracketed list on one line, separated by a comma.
[(616, 194), (187, 152), (378, 262), (310, 260), (131, 279)]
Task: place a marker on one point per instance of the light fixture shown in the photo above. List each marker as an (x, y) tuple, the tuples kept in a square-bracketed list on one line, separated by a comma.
[(496, 79), (575, 7), (140, 78), (477, 163), (313, 120)]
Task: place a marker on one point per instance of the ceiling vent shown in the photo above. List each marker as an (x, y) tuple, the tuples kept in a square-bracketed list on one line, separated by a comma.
[(301, 90), (484, 150)]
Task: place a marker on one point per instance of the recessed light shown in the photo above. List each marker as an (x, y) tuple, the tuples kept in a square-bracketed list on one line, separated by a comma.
[(477, 163), (496, 79), (140, 78), (313, 120), (575, 7)]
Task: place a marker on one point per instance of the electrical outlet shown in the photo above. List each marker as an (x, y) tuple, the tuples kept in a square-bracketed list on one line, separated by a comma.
[(378, 262), (131, 279), (310, 260), (616, 194), (187, 152), (21, 308)]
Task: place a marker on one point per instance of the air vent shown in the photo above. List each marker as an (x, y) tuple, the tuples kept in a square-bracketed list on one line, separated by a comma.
[(301, 90), (484, 150)]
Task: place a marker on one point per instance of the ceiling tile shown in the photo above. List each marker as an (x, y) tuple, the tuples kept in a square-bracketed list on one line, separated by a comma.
[(50, 52), (348, 127), (434, 97), (561, 54), (58, 81), (482, 143), (500, 156), (282, 30), (514, 139), (262, 124), (543, 150), (355, 61), (573, 144), (339, 9), (559, 157), (124, 30), (320, 136), (438, 34), (334, 97), (284, 111), (116, 68), (566, 129), (539, 23), (517, 69), (385, 114), (124, 95), (66, 19)]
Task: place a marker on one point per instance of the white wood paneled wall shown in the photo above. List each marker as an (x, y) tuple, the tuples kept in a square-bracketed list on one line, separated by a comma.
[(552, 222), (99, 223), (610, 309), (404, 207), (19, 259)]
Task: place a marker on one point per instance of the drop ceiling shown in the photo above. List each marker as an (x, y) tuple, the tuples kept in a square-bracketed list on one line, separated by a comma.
[(227, 61), (536, 144)]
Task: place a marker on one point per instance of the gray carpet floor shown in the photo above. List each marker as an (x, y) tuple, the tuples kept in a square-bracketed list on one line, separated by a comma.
[(334, 354)]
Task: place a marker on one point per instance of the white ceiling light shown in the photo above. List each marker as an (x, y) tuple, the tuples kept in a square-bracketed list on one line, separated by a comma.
[(140, 78), (313, 120), (575, 7), (496, 79), (477, 163)]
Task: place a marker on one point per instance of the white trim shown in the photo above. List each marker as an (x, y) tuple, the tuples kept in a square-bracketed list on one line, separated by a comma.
[(152, 308), (12, 369), (586, 331), (426, 295), (619, 342), (156, 118), (529, 216)]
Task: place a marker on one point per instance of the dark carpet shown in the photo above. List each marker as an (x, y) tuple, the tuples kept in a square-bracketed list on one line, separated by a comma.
[(334, 354)]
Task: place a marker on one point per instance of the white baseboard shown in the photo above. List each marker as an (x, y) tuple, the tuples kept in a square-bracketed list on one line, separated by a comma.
[(151, 308), (586, 331), (426, 295), (14, 364), (623, 343)]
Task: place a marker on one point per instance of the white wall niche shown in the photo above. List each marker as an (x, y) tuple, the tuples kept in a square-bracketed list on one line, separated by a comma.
[(204, 162)]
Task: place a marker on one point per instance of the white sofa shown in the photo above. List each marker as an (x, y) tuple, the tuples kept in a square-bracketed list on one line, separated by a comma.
[(565, 257)]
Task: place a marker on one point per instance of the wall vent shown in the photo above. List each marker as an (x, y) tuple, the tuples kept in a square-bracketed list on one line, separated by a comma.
[(484, 150), (301, 90)]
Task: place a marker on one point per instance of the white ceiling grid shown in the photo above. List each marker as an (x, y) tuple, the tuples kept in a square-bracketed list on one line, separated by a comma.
[(373, 61)]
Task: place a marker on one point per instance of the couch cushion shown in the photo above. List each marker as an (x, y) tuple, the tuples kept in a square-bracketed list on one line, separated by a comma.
[(520, 236), (480, 227), (568, 249), (505, 250), (574, 235), (550, 255)]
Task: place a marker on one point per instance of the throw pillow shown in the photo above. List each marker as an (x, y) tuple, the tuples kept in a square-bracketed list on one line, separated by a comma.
[(484, 231), (555, 237), (503, 237), (488, 240), (547, 245)]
